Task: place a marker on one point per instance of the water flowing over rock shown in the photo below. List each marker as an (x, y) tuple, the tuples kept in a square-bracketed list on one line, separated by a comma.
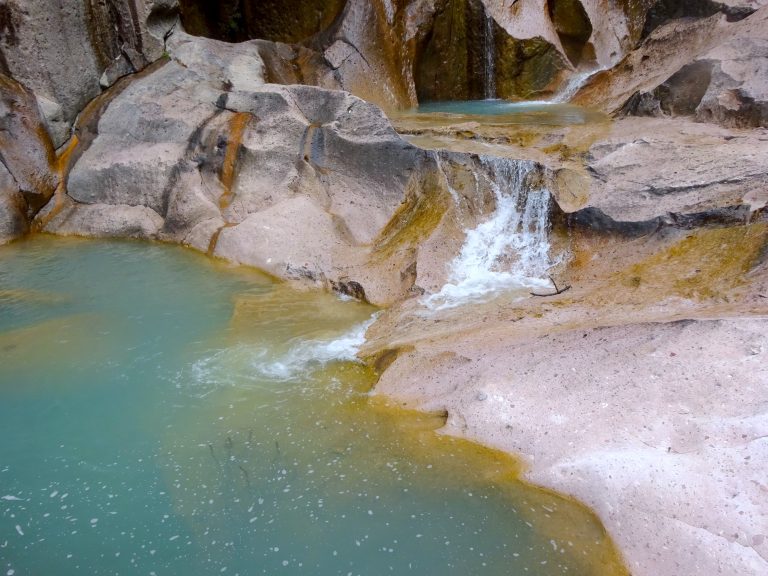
[(510, 250), (254, 132)]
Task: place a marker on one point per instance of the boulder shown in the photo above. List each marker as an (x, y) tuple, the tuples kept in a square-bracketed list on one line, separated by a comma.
[(737, 94), (663, 53), (711, 69), (297, 180), (696, 167), (28, 175), (102, 42)]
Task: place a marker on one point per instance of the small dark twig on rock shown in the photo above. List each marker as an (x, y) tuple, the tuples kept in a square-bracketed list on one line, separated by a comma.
[(556, 292)]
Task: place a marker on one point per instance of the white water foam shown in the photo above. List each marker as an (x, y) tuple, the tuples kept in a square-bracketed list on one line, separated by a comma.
[(306, 355), (574, 84), (509, 250), (240, 363)]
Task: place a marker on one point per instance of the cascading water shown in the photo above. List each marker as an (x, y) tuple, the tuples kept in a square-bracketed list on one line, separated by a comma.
[(490, 58), (574, 84), (511, 249)]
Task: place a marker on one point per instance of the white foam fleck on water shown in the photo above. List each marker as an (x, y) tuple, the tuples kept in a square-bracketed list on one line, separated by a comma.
[(19, 530), (508, 250), (11, 498)]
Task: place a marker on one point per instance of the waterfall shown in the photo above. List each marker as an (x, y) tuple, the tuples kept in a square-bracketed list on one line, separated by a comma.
[(574, 84), (508, 250), (490, 58)]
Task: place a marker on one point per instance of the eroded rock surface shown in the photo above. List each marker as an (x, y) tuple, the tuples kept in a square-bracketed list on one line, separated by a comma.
[(652, 167), (711, 69), (298, 181), (102, 41), (397, 53), (27, 161), (623, 391), (661, 428)]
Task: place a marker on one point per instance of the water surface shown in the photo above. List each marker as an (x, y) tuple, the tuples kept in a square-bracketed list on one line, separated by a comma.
[(161, 413), (506, 112)]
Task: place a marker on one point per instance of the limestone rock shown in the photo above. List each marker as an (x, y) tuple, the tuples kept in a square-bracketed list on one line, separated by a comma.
[(696, 167), (660, 428), (27, 161), (13, 209), (663, 53), (737, 94), (101, 41), (107, 221), (710, 69), (204, 155), (235, 66), (395, 53)]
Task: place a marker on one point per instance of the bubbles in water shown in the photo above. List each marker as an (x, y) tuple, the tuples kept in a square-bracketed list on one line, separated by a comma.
[(308, 354), (235, 364)]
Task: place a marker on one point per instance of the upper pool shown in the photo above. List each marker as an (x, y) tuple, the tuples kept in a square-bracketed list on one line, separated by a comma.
[(161, 413), (503, 111)]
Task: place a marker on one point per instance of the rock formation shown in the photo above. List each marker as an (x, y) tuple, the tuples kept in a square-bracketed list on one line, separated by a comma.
[(101, 41), (711, 69), (260, 139), (28, 175)]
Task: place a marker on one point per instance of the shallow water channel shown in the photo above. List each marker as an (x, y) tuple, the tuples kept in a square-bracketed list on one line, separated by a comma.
[(162, 413), (527, 112)]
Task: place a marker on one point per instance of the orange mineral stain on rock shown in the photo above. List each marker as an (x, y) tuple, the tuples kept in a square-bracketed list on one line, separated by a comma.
[(237, 126), (62, 167)]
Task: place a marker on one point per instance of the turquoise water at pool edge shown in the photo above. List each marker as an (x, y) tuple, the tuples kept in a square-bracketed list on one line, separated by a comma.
[(162, 413)]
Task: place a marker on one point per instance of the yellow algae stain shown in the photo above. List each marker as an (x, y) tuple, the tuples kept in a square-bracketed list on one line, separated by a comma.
[(334, 414), (60, 194), (12, 295), (705, 264), (369, 433), (50, 344), (415, 219)]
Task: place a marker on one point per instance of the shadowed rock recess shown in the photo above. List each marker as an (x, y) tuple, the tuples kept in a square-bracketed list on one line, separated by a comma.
[(282, 135)]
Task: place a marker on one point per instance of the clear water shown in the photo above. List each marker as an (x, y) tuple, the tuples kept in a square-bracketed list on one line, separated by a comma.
[(503, 111), (510, 249), (164, 414)]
